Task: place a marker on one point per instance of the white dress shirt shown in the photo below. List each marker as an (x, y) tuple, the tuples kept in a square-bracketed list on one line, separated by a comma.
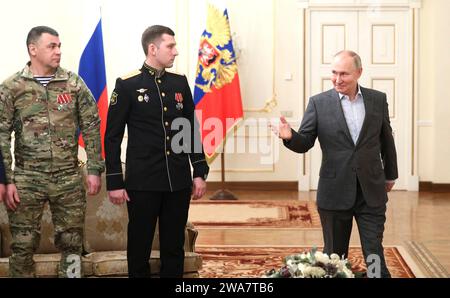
[(354, 112)]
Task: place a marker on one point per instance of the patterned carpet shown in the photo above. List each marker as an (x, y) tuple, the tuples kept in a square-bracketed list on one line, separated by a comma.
[(234, 261), (255, 214)]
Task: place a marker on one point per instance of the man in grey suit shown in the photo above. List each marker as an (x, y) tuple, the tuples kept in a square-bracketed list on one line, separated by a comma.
[(359, 160)]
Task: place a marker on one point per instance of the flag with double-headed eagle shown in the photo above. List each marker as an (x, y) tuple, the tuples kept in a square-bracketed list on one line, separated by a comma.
[(217, 94)]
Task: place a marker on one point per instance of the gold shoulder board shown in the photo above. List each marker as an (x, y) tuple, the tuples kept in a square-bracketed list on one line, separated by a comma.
[(131, 74)]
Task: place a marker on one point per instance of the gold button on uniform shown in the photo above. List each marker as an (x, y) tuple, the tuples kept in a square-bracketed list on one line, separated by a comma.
[(166, 123), (168, 152), (167, 138), (163, 94), (159, 81), (165, 109)]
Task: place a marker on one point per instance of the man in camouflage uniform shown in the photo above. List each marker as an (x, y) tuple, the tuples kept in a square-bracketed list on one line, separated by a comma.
[(2, 178), (46, 105)]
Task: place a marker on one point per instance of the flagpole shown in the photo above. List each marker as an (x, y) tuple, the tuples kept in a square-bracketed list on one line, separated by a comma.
[(222, 193)]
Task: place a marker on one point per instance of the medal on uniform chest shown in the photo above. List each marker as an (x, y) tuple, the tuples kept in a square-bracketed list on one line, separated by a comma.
[(63, 99), (141, 97), (179, 100)]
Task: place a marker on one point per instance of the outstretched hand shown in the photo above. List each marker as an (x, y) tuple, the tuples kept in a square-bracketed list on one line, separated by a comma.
[(283, 131)]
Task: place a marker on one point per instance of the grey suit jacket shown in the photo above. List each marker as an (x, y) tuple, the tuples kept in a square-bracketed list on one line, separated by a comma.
[(372, 161)]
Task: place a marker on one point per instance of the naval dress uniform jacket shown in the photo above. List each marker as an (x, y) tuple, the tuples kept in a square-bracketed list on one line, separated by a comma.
[(158, 176), (147, 102)]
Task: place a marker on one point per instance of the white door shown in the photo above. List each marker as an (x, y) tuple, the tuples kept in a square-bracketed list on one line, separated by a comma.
[(382, 39)]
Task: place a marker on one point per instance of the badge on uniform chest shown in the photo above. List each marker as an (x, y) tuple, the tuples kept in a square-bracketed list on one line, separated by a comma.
[(142, 95), (145, 98), (179, 100)]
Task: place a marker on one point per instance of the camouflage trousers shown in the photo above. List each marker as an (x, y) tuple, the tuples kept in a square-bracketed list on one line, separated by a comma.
[(65, 193)]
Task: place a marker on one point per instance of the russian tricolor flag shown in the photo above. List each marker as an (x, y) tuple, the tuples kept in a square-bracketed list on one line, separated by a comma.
[(92, 65)]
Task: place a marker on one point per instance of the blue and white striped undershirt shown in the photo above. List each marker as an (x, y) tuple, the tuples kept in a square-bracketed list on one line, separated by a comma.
[(44, 80)]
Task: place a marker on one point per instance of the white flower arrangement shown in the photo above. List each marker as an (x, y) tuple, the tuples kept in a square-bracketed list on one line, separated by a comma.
[(313, 264)]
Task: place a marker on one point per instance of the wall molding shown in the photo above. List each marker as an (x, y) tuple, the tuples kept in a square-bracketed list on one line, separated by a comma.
[(424, 186), (254, 185), (411, 4), (434, 187)]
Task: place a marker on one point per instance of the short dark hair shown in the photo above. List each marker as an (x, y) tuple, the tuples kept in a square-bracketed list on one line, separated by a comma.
[(153, 35), (36, 32)]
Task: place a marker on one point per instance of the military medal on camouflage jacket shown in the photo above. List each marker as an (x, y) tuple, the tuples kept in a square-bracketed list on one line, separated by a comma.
[(179, 99), (63, 99)]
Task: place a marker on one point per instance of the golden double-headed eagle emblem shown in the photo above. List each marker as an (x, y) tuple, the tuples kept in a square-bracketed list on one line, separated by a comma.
[(217, 63)]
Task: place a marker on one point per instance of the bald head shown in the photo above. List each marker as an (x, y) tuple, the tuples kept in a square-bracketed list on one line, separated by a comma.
[(351, 54)]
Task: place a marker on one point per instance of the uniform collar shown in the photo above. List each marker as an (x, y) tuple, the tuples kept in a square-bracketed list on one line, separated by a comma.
[(153, 71), (60, 75)]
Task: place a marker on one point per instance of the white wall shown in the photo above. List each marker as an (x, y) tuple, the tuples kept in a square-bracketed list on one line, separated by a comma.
[(123, 24), (434, 99)]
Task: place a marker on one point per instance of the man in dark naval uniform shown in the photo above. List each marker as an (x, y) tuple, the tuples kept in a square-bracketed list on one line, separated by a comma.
[(158, 110)]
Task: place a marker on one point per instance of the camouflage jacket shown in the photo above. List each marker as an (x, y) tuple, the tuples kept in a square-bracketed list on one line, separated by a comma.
[(46, 122)]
